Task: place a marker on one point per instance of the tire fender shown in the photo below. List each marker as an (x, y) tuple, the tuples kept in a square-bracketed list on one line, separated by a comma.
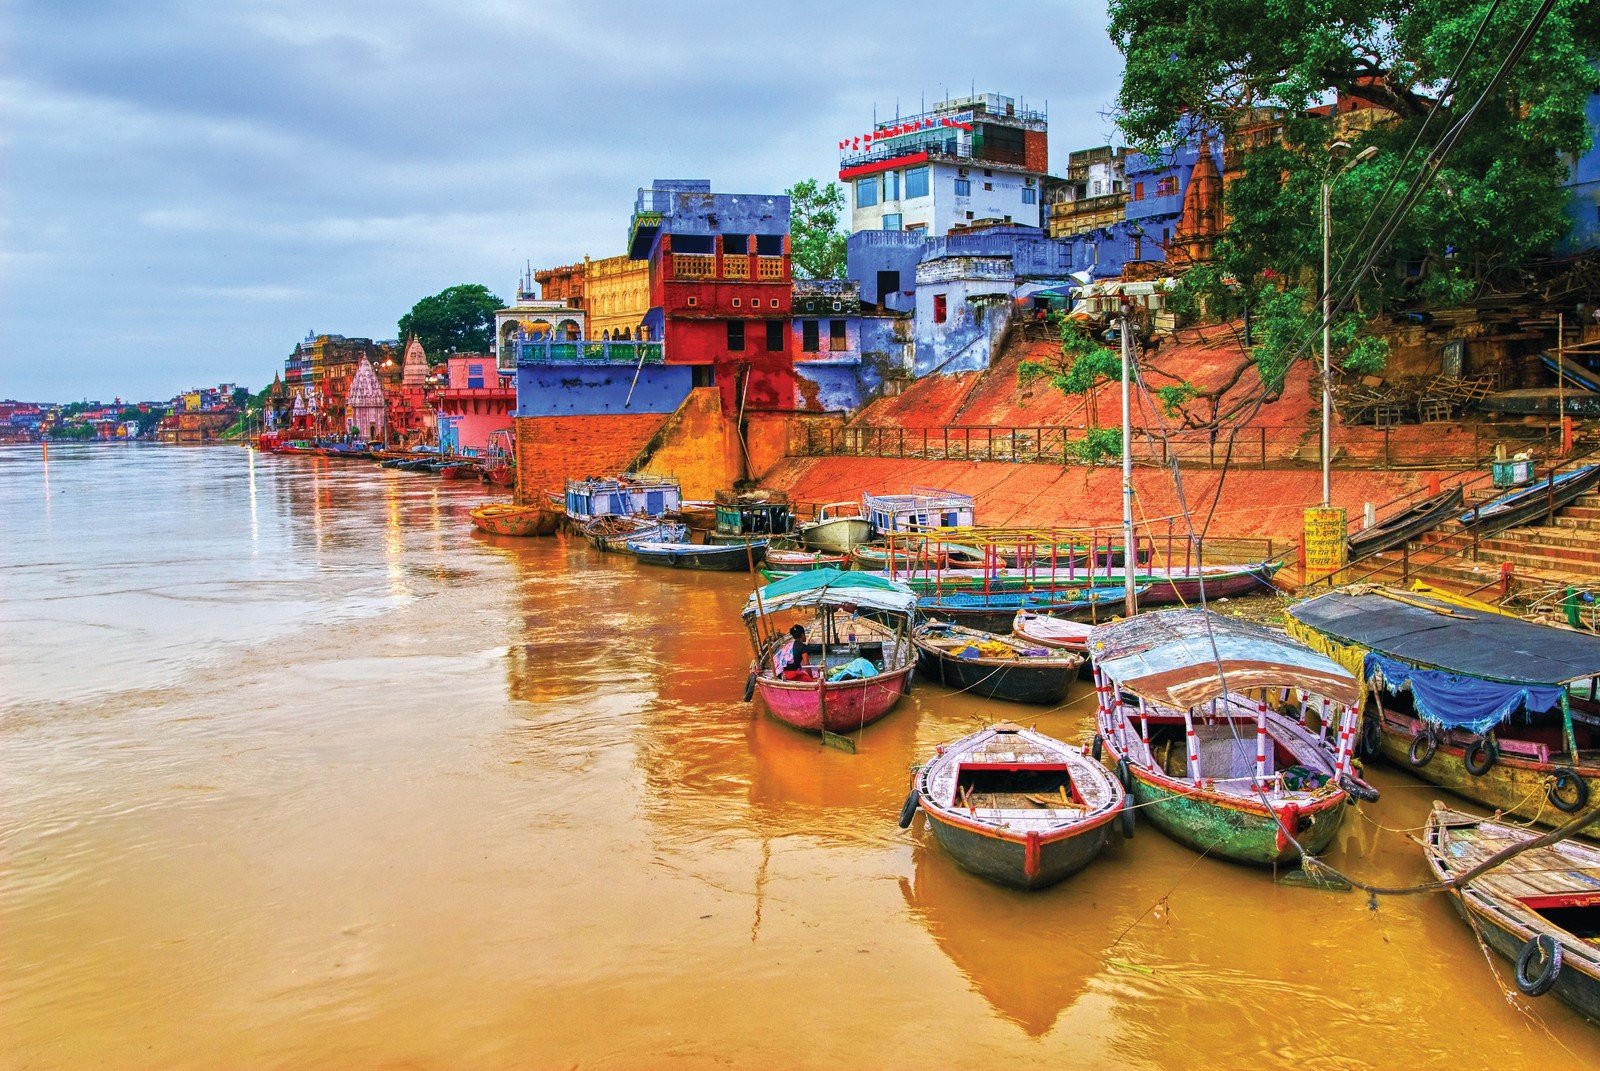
[(1098, 748), (1125, 816), (1480, 757), (750, 685), (1125, 775), (908, 810), (1371, 735), (1423, 745), (1538, 965), (1562, 777)]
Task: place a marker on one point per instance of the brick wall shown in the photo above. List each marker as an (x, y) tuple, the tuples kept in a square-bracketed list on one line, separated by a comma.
[(550, 449)]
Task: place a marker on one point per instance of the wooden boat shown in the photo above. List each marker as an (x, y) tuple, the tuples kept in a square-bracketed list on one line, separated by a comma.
[(1047, 631), (726, 558), (1188, 707), (790, 560), (1539, 909), (1500, 710), (611, 532), (1163, 585), (923, 509), (1526, 504), (1406, 525), (1015, 806), (837, 528), (503, 518), (996, 610), (455, 472), (629, 494), (695, 514), (874, 557), (742, 515), (807, 677), (997, 667)]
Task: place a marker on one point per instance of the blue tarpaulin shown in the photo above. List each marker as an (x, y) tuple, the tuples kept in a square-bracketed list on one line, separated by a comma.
[(1458, 702)]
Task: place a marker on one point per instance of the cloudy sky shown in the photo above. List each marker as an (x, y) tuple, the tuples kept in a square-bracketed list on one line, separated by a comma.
[(189, 187)]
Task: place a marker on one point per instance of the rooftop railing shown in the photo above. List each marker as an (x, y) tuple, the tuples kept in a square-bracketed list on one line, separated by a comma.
[(590, 352)]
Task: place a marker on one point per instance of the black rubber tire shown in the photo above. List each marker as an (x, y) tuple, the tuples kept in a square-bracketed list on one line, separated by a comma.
[(908, 810), (1480, 757), (1567, 777), (1125, 775), (1423, 745), (1098, 747), (911, 681), (1125, 819), (750, 686), (1357, 790), (1371, 742), (1545, 951)]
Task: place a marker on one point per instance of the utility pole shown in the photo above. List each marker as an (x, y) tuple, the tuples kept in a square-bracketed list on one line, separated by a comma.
[(1130, 556)]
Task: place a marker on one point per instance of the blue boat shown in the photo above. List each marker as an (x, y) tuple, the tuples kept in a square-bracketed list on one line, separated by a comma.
[(1525, 504), (725, 557), (994, 611)]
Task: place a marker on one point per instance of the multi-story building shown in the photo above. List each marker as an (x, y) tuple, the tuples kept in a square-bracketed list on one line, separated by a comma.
[(475, 402), (1094, 193), (720, 288), (319, 371), (531, 318), (616, 296), (968, 160)]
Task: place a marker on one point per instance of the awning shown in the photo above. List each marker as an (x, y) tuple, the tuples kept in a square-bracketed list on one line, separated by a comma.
[(1184, 658), (1432, 634), (833, 587)]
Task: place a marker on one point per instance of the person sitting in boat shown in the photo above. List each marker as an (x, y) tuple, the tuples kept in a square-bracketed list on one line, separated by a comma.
[(794, 669)]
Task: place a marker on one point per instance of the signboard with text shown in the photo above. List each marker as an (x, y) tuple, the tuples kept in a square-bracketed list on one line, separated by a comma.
[(1324, 541)]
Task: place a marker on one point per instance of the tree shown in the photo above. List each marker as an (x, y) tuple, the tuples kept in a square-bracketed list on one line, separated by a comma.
[(1083, 364), (459, 319), (816, 241), (1494, 206)]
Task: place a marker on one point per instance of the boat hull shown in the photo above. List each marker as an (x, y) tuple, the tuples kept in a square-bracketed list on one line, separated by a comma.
[(517, 521), (1230, 827), (1421, 518), (837, 536), (726, 559), (1004, 859), (1013, 680), (839, 707)]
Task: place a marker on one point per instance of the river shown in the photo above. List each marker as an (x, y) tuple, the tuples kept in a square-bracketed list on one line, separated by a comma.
[(300, 771)]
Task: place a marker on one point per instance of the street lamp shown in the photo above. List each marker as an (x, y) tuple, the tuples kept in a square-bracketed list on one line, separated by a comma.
[(1337, 150)]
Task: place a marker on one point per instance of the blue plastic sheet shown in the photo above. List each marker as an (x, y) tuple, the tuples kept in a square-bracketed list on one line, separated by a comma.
[(1458, 702)]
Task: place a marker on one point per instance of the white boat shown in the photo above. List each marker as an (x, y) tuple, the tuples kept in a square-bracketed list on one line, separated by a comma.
[(838, 527)]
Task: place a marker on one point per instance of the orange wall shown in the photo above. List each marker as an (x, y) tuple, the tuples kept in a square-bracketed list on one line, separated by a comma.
[(697, 445), (550, 449)]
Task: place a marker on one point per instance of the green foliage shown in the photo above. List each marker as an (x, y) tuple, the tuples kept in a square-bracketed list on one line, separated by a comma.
[(816, 239), (1173, 396), (1288, 325), (459, 319), (77, 432), (1096, 445)]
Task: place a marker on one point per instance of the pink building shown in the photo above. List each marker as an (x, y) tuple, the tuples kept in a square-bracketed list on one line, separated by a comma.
[(476, 403)]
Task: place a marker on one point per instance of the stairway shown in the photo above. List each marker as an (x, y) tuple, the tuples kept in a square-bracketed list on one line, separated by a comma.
[(1565, 552)]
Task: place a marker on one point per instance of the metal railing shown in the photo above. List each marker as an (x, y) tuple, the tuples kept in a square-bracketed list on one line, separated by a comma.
[(589, 352)]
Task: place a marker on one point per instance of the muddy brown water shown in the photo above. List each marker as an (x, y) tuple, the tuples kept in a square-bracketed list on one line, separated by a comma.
[(300, 771)]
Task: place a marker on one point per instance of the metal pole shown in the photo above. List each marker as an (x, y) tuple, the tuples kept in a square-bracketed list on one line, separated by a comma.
[(1327, 316), (1129, 556)]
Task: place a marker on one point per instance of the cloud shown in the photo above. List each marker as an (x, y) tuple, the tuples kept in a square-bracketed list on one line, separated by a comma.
[(188, 186)]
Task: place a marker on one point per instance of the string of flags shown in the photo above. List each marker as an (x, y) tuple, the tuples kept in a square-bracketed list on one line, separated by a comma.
[(901, 129)]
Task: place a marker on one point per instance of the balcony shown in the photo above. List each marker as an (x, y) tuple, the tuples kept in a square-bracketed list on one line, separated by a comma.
[(770, 269), (736, 267), (589, 352), (693, 266)]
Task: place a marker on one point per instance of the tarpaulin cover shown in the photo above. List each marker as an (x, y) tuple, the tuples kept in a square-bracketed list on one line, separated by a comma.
[(1183, 658), (1432, 634), (1458, 702), (833, 587)]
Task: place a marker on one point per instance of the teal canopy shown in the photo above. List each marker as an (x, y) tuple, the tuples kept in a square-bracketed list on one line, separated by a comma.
[(833, 587)]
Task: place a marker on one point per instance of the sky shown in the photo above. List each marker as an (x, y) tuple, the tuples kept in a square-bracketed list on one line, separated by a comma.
[(188, 188)]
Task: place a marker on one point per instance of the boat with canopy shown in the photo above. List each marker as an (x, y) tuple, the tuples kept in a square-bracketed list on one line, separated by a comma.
[(1232, 738), (1497, 709), (844, 668)]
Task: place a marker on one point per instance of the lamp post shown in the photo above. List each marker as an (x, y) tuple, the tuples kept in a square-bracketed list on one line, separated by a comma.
[(1336, 151)]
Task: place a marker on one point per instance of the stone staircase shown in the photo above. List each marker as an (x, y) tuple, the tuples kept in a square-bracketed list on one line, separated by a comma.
[(1565, 552)]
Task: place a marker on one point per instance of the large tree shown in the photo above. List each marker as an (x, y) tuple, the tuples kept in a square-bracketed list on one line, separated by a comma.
[(459, 319), (816, 241), (1494, 205)]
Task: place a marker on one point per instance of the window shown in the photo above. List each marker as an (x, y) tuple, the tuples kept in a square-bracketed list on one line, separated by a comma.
[(1030, 197), (1138, 191), (891, 221), (938, 308), (888, 283), (916, 182), (736, 335), (836, 341), (969, 215), (1097, 187), (735, 245), (774, 302), (769, 245), (702, 375), (1138, 248), (474, 377), (1167, 186), (866, 192), (736, 303), (698, 244), (808, 336), (988, 186), (891, 185), (774, 336), (693, 301), (963, 187)]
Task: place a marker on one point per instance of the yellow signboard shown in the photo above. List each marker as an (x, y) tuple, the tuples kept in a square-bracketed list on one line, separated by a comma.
[(1324, 541)]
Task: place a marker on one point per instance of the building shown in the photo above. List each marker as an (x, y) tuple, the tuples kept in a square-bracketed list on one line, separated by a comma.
[(968, 160), (720, 288), (1094, 194), (475, 402), (1583, 191), (617, 297), (531, 319), (411, 415), (365, 407), (1156, 192), (319, 372)]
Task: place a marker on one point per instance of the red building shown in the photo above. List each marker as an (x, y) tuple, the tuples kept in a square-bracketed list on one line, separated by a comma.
[(476, 403), (720, 288)]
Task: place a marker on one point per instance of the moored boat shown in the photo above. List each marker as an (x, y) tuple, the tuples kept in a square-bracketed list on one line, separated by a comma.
[(1526, 504), (998, 667), (611, 531), (1048, 631), (743, 515), (995, 611), (787, 559), (1015, 806), (1499, 710), (842, 670), (725, 558), (873, 557), (1408, 524), (504, 518), (1539, 909), (1188, 707), (837, 527), (629, 494)]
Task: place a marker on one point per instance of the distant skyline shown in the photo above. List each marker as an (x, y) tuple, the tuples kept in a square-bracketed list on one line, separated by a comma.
[(190, 187)]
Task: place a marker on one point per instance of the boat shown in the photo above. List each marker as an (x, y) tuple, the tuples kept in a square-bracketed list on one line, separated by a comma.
[(503, 518), (923, 509), (1016, 806), (1047, 631), (695, 514), (500, 458), (1501, 711), (726, 558), (845, 668), (837, 528), (629, 494), (1526, 504), (1191, 710), (996, 667), (1408, 524), (788, 559), (1539, 909), (873, 557), (1164, 585), (995, 611), (611, 532), (743, 515)]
